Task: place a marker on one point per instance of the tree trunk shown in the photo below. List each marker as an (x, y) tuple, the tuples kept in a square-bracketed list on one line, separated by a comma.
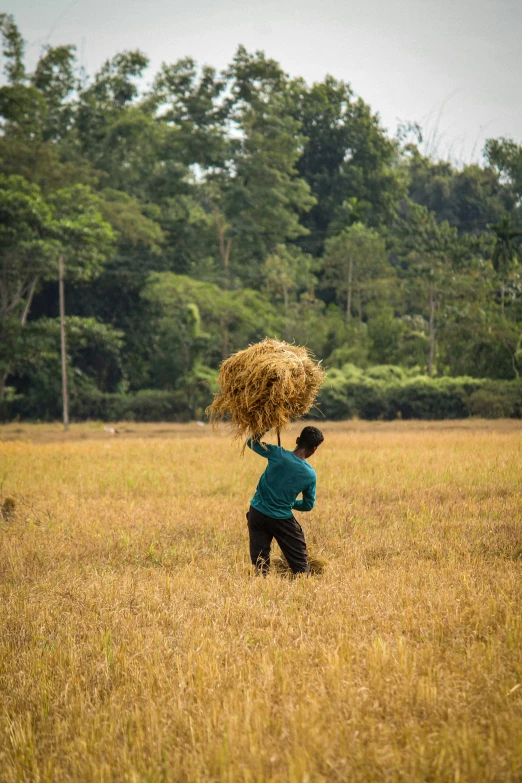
[(3, 295), (359, 306), (502, 297), (514, 364), (226, 258), (65, 394), (431, 359), (3, 324), (285, 300), (349, 295), (224, 245), (29, 301), (224, 251), (4, 309), (224, 349)]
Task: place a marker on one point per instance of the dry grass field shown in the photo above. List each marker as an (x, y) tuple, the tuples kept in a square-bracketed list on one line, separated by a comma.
[(135, 645)]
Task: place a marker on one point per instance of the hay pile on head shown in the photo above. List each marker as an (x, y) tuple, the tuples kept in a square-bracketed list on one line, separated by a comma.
[(266, 386)]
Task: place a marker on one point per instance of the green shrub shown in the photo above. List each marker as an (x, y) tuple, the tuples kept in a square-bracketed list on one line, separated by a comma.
[(381, 392), (385, 392), (344, 398), (334, 400), (386, 372), (145, 405), (495, 400), (431, 398), (152, 405)]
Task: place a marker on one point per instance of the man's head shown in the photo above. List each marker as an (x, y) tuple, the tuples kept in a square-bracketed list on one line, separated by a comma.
[(309, 440)]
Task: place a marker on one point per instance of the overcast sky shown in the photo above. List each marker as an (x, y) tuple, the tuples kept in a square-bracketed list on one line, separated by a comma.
[(454, 66)]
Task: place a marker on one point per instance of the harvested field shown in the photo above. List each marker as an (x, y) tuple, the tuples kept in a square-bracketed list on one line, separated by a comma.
[(136, 646)]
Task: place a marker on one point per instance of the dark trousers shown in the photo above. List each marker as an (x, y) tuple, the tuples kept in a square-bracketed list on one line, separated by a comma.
[(287, 532)]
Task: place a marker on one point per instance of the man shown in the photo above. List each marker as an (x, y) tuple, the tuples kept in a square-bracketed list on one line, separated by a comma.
[(270, 515)]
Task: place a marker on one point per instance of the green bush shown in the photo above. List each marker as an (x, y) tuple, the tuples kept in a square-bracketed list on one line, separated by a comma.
[(381, 392), (386, 372), (431, 398), (384, 392), (334, 400), (345, 397), (157, 406), (146, 405), (495, 400)]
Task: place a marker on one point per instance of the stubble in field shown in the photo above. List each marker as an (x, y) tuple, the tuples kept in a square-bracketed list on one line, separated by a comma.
[(136, 646)]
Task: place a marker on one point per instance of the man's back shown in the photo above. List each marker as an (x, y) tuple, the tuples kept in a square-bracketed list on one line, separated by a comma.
[(285, 477)]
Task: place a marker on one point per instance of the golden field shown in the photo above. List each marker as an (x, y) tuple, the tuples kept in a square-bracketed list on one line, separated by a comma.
[(135, 645)]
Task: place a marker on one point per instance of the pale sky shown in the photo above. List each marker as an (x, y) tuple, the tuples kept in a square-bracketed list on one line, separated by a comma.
[(454, 66)]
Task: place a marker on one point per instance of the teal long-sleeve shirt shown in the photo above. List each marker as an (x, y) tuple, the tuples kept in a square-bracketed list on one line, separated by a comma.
[(284, 478)]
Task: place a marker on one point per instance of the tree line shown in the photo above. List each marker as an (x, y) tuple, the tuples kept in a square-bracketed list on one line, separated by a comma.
[(208, 209)]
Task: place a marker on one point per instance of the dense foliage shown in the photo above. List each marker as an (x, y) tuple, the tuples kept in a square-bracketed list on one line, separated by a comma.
[(213, 209)]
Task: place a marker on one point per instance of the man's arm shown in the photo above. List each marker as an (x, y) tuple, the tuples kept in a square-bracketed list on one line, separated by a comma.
[(308, 501), (263, 450)]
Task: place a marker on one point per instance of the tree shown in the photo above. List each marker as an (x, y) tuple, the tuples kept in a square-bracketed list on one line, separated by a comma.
[(12, 50), (115, 135), (126, 216), (25, 241), (353, 261), (262, 196), (506, 253), (190, 103), (55, 79), (93, 351), (468, 198), (27, 250), (345, 155), (34, 232), (180, 302), (287, 270), (506, 156), (254, 193), (83, 238), (22, 107), (428, 252), (139, 250)]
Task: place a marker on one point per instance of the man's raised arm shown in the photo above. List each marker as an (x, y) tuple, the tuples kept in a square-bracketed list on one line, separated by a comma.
[(262, 449)]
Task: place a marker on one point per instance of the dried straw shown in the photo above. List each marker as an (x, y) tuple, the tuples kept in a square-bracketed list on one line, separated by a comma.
[(265, 386), (279, 565)]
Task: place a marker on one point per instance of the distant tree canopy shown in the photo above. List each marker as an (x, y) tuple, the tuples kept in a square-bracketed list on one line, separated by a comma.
[(211, 209)]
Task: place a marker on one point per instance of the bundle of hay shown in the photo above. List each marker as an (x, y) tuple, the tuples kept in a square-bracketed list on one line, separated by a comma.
[(265, 387), (279, 565)]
